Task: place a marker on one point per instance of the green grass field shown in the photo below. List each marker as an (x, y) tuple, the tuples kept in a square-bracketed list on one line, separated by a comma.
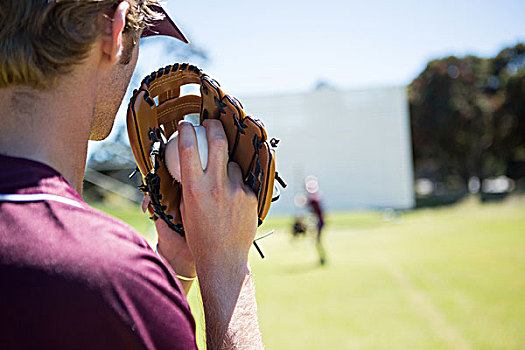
[(448, 278)]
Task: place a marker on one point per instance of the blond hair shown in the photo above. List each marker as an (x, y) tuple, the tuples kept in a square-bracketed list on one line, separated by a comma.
[(40, 40)]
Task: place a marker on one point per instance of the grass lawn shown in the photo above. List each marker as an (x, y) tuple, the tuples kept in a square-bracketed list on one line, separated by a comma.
[(448, 278)]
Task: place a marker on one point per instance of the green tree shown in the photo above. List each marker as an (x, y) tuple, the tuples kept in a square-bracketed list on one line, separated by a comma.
[(509, 66), (467, 115)]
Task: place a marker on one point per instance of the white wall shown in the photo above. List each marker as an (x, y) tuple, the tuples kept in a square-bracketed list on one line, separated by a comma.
[(357, 142)]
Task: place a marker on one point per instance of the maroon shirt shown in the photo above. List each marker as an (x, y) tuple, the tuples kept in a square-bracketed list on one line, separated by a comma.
[(74, 278), (314, 201)]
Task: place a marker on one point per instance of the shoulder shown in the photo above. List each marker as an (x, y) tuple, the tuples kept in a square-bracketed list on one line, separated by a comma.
[(138, 285), (104, 264)]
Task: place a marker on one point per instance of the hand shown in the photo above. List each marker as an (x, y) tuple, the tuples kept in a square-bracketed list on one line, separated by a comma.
[(218, 212), (172, 247)]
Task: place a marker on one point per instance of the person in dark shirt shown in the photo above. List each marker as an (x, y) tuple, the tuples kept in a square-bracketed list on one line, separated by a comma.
[(313, 196), (75, 278)]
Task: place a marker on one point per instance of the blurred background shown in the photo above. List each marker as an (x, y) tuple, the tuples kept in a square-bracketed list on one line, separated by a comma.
[(410, 116)]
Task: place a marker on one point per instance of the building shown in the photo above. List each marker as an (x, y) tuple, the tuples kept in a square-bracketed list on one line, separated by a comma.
[(356, 142)]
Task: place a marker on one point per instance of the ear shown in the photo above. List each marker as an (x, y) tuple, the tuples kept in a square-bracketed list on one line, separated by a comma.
[(112, 37)]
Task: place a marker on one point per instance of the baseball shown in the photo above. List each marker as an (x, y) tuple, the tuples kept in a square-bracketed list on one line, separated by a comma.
[(171, 155)]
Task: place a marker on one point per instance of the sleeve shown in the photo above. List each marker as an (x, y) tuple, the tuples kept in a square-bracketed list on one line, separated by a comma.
[(146, 293), (141, 288)]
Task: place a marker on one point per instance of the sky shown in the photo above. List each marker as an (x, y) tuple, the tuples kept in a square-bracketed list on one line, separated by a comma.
[(270, 47), (275, 46)]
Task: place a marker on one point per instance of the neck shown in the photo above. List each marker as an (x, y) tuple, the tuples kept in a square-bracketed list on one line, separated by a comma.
[(50, 126)]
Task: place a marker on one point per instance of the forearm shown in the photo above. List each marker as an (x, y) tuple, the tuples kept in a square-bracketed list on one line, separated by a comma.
[(220, 219), (230, 309)]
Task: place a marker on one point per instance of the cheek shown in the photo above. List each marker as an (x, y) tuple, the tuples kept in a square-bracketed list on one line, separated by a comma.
[(109, 97)]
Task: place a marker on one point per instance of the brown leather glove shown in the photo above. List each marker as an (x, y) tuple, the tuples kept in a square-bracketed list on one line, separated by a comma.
[(153, 115)]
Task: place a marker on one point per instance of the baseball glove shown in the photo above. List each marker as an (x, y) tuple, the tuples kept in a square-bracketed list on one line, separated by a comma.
[(153, 115)]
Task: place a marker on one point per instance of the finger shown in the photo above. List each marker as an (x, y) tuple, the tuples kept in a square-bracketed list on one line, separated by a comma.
[(190, 163), (217, 148), (145, 203), (235, 173), (236, 178)]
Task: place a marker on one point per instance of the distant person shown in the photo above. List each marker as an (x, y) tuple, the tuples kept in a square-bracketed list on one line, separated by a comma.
[(299, 227), (315, 206)]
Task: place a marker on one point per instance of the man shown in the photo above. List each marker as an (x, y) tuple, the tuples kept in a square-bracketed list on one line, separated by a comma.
[(314, 204), (73, 277)]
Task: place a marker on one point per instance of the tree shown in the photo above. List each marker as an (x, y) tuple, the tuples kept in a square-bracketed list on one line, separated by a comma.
[(467, 115), (509, 66)]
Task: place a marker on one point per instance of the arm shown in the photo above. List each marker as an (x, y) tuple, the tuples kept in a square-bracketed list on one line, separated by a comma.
[(231, 311), (176, 254), (220, 219), (173, 249)]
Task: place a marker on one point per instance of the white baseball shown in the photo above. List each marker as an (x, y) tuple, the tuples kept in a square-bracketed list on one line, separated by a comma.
[(171, 155)]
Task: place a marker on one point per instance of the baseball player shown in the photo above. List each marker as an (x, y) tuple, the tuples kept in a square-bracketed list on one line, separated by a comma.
[(315, 206), (73, 277)]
